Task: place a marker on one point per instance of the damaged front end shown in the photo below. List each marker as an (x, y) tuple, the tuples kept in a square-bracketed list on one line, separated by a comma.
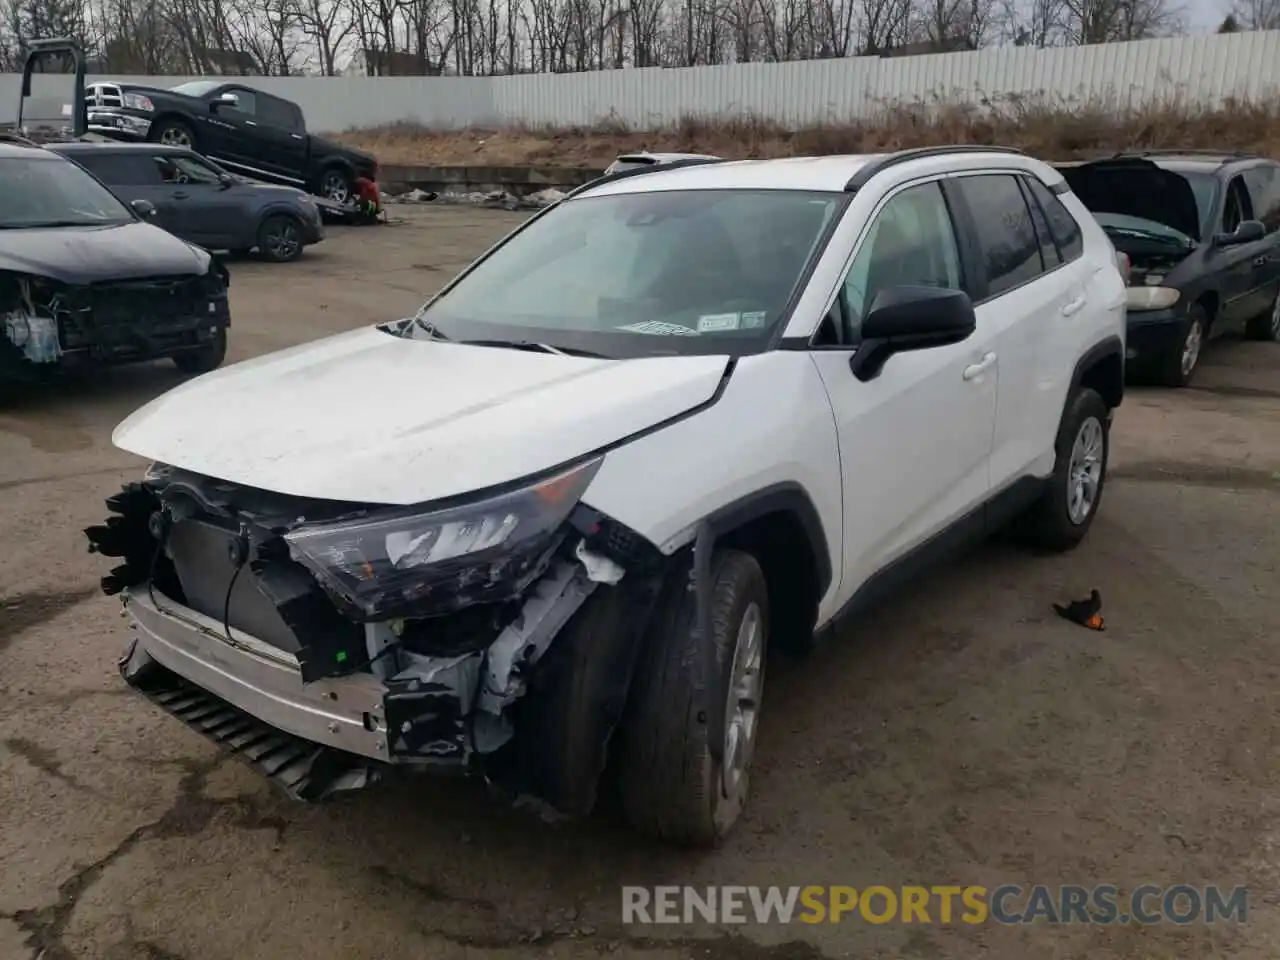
[(47, 323), (330, 643)]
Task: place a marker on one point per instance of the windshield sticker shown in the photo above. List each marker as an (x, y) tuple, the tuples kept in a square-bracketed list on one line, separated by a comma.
[(715, 322), (754, 320), (660, 328)]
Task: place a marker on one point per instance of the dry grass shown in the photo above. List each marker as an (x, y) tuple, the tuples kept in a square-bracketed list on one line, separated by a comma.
[(1043, 126)]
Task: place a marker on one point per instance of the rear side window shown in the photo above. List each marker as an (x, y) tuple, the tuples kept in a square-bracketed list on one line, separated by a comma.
[(1264, 190), (1048, 249), (120, 170), (278, 113), (1062, 225), (1006, 236)]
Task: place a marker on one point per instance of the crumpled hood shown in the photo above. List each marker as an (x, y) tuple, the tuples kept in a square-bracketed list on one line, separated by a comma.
[(369, 417), (91, 254)]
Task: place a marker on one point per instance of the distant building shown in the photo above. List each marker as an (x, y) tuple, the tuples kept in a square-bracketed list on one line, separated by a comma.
[(922, 47), (392, 63)]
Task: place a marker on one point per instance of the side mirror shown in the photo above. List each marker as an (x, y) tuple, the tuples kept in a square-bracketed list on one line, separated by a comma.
[(226, 180), (224, 100), (143, 208), (911, 318), (1249, 231)]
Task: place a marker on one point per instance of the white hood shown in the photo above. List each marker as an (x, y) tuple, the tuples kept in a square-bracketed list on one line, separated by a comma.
[(367, 416)]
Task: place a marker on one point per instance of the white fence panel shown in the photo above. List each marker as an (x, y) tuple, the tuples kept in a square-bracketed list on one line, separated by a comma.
[(1202, 70)]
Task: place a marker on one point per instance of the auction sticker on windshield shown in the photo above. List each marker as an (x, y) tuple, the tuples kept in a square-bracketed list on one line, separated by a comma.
[(715, 322), (660, 328)]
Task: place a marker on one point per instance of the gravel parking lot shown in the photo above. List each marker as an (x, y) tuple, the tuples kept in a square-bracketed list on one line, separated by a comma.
[(962, 735)]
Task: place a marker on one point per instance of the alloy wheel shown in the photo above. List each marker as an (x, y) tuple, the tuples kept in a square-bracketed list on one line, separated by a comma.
[(283, 241), (1191, 346), (1084, 471), (742, 709), (175, 137)]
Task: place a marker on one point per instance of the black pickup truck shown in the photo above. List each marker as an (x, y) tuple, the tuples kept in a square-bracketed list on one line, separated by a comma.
[(246, 130)]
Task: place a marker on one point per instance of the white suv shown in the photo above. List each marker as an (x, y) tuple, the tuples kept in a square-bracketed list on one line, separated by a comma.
[(681, 418)]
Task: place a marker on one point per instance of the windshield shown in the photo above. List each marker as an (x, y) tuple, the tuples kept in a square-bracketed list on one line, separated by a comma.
[(1119, 223), (690, 271), (43, 192), (196, 88), (1205, 188)]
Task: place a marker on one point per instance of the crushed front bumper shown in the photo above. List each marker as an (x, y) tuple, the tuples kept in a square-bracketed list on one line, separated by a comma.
[(343, 713)]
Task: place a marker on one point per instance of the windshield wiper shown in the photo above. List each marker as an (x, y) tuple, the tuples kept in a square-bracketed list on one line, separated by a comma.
[(535, 347)]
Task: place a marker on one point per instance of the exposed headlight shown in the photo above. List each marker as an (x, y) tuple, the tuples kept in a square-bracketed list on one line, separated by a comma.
[(416, 561), (136, 101), (1152, 298)]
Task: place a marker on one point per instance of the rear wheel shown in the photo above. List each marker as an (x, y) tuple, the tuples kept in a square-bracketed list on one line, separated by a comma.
[(1266, 326), (335, 185), (1062, 516), (672, 790), (205, 358), (1178, 365), (280, 239)]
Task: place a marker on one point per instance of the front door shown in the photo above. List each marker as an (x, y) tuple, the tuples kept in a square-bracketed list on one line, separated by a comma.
[(915, 442), (1240, 297), (209, 210)]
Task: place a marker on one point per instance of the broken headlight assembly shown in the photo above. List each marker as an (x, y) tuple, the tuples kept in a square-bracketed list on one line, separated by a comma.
[(420, 561)]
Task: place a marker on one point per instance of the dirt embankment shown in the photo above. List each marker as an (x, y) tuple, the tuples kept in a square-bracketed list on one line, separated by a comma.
[(1050, 130)]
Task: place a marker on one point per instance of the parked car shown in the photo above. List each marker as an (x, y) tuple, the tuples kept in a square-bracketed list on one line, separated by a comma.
[(636, 161), (1202, 234), (85, 280), (685, 416), (198, 201), (249, 131)]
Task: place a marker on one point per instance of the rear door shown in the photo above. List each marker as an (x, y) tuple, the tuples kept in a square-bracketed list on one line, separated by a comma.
[(1027, 296), (208, 209), (1263, 184), (282, 139)]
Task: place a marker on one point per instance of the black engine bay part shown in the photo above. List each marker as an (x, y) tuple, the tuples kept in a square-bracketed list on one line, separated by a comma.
[(47, 323), (466, 686)]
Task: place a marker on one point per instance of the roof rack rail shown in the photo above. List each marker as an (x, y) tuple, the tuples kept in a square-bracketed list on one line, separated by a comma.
[(641, 171), (1187, 152), (869, 170)]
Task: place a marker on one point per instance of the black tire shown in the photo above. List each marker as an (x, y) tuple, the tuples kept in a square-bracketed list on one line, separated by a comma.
[(337, 185), (671, 790), (206, 358), (1265, 326), (173, 132), (1050, 524), (280, 238), (1172, 369)]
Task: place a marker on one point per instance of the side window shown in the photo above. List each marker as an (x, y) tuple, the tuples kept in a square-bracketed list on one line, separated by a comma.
[(911, 241), (1237, 208), (1048, 249), (1062, 225), (184, 168), (120, 169), (1264, 192), (248, 101), (275, 113), (1006, 237)]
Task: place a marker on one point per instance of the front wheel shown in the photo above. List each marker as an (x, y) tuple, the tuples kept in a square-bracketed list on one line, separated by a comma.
[(174, 133), (1178, 365), (205, 358), (1059, 520), (672, 790)]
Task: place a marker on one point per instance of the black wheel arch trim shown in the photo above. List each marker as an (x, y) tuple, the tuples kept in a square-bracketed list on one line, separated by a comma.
[(1108, 347), (788, 497)]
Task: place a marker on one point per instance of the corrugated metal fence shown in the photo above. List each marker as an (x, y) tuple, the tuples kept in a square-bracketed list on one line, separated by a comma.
[(1202, 70)]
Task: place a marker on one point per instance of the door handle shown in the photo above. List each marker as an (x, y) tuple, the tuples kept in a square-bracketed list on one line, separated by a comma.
[(250, 123), (1075, 306), (180, 195), (1260, 261), (296, 136), (976, 369)]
